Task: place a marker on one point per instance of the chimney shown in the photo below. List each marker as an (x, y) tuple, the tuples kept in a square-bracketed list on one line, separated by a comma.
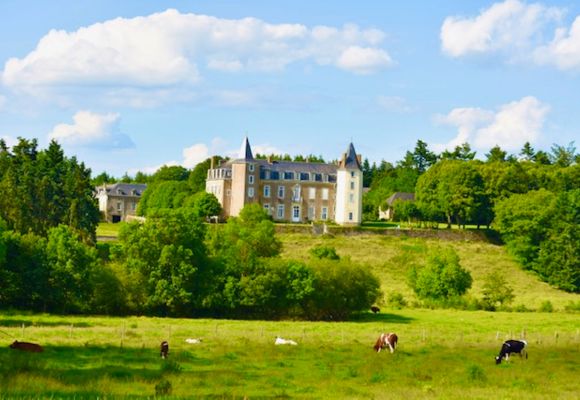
[(359, 158), (211, 163), (270, 159)]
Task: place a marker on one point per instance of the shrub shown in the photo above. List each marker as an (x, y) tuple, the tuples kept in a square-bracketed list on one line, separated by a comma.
[(396, 300), (442, 278), (546, 306), (496, 292), (322, 251)]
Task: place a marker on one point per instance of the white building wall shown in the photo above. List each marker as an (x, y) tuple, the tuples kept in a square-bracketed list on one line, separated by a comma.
[(349, 188)]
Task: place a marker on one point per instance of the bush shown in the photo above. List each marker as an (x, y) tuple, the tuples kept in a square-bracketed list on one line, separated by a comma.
[(322, 251), (442, 278), (572, 306), (396, 300), (546, 306), (496, 292)]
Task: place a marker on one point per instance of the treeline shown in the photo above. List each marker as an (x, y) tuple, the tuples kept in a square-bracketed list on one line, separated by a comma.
[(175, 265), (531, 200), (42, 189)]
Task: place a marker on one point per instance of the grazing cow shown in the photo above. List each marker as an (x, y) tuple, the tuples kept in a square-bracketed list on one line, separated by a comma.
[(25, 346), (164, 349), (280, 341), (386, 340), (375, 309), (512, 346)]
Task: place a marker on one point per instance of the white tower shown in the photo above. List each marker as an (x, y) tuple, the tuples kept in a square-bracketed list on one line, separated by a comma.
[(349, 189)]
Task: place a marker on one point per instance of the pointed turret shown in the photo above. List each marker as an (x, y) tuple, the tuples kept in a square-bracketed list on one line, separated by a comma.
[(350, 159), (349, 188), (246, 151)]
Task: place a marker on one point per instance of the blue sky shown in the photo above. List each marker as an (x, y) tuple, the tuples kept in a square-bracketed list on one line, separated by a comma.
[(132, 85)]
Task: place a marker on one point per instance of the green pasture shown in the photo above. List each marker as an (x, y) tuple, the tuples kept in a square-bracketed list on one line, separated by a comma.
[(391, 256), (442, 354)]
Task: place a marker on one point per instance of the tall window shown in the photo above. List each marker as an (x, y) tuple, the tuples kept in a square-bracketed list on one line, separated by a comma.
[(351, 198), (352, 174), (350, 216), (119, 206), (296, 193), (351, 185), (324, 213), (251, 179), (267, 191), (311, 193), (251, 192), (251, 167), (280, 214), (296, 212), (281, 192), (325, 194)]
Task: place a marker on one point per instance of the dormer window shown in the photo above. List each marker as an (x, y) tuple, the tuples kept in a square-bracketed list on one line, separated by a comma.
[(251, 167)]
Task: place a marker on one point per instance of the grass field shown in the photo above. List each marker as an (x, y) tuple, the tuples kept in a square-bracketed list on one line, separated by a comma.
[(442, 354)]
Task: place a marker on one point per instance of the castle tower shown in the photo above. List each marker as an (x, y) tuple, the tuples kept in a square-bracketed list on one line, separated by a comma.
[(245, 175), (349, 189)]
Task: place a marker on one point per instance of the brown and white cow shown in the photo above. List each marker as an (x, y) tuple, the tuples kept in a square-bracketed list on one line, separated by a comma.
[(164, 349), (386, 340), (26, 346)]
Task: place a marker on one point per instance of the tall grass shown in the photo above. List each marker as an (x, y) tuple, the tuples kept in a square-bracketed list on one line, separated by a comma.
[(441, 354)]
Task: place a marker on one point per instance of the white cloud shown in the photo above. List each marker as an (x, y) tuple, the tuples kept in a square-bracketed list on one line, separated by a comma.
[(9, 140), (92, 130), (195, 154), (564, 50), (170, 48), (511, 27), (510, 127)]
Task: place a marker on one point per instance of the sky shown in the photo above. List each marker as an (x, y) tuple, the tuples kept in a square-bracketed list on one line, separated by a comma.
[(132, 85)]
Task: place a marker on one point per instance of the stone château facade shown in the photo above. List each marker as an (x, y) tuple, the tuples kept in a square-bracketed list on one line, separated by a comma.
[(290, 191)]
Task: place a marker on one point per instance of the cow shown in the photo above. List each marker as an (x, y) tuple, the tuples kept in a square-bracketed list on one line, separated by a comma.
[(25, 346), (375, 309), (386, 340), (164, 349), (512, 346), (280, 341)]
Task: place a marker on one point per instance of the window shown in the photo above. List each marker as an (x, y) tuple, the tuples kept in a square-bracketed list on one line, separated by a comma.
[(296, 193), (119, 206), (351, 185), (251, 192), (133, 206), (288, 176), (251, 167), (324, 213), (311, 193), (352, 174), (280, 214), (351, 198), (274, 175), (325, 194), (267, 209), (318, 177), (311, 215), (304, 176), (281, 192), (350, 216), (296, 212), (267, 191), (251, 179)]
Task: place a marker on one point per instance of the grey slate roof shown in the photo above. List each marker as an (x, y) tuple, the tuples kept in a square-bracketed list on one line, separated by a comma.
[(351, 158), (404, 196), (246, 151), (125, 189)]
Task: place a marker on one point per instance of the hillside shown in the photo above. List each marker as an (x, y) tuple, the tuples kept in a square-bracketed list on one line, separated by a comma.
[(391, 256)]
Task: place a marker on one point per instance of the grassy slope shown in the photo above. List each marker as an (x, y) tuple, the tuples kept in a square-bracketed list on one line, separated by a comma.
[(390, 257), (442, 354)]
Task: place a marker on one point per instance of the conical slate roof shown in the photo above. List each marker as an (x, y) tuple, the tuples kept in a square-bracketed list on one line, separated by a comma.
[(351, 160), (245, 150)]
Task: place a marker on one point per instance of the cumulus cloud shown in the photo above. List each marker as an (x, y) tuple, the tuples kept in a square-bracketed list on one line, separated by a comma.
[(510, 126), (511, 27), (564, 50), (195, 154), (171, 48), (92, 130)]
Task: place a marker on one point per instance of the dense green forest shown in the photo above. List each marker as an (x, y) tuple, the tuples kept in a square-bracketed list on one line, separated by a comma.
[(175, 264)]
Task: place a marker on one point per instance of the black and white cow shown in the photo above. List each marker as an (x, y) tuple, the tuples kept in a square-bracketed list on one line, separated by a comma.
[(512, 346)]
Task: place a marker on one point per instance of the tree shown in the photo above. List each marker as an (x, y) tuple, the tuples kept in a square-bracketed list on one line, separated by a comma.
[(462, 153), (496, 154), (405, 211), (496, 291), (204, 204), (170, 173), (527, 153), (563, 156), (420, 159), (442, 278), (198, 175), (163, 195)]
